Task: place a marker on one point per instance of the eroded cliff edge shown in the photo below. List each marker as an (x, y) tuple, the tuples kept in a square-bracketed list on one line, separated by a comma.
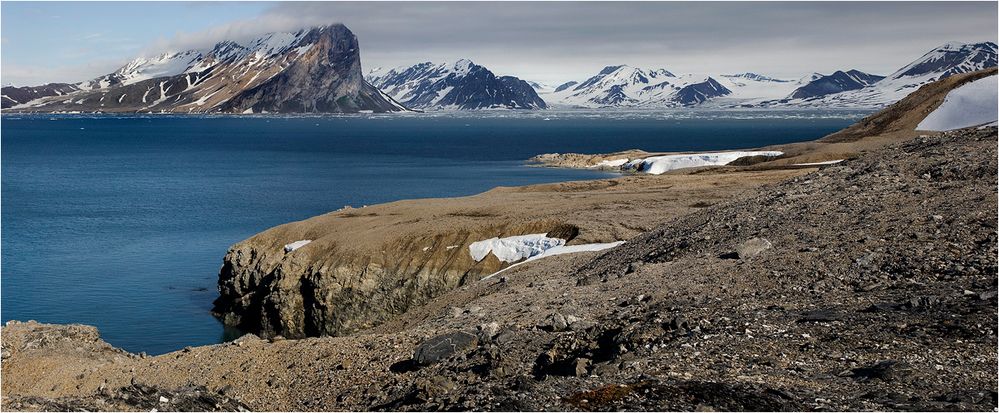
[(364, 265)]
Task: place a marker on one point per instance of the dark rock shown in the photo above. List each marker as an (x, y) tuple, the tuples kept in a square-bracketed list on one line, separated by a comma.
[(887, 370), (444, 346)]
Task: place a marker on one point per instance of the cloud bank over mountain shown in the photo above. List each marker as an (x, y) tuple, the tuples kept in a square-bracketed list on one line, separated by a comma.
[(555, 41)]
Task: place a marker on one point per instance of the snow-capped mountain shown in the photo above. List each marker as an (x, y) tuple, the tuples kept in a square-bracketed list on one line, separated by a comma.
[(317, 70), (142, 68), (839, 81), (755, 77), (462, 85), (627, 86), (619, 85), (13, 95), (943, 61)]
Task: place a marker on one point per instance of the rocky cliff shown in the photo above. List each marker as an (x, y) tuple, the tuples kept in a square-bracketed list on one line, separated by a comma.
[(349, 278)]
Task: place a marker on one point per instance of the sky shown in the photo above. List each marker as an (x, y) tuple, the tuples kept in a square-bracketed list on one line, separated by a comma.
[(549, 42)]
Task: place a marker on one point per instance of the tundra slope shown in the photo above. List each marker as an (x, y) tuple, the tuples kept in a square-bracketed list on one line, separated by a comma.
[(868, 285)]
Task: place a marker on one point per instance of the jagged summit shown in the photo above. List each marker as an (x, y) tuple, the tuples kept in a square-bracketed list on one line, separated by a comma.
[(455, 86), (949, 59)]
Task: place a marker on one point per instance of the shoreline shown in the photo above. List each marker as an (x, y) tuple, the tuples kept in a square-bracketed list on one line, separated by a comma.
[(726, 273), (679, 314)]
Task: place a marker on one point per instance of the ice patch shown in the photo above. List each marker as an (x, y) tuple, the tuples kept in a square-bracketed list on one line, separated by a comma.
[(819, 163), (611, 163), (972, 104), (660, 164), (563, 249), (515, 248), (296, 245)]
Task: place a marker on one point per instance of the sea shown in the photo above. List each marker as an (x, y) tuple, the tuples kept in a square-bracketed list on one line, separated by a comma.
[(121, 222)]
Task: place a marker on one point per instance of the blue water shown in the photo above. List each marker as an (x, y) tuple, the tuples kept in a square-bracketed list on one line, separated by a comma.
[(122, 222)]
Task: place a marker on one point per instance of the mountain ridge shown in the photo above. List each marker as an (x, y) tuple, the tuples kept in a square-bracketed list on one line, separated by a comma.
[(462, 85), (315, 70)]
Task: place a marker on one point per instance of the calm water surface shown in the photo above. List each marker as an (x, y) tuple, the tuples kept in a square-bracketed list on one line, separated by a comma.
[(122, 222)]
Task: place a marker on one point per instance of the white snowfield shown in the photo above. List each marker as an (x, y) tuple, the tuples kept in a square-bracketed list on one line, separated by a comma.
[(972, 104), (515, 248), (563, 249), (611, 163), (661, 164), (820, 163), (296, 245)]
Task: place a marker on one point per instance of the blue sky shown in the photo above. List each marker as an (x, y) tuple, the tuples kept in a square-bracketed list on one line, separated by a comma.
[(62, 41), (550, 42)]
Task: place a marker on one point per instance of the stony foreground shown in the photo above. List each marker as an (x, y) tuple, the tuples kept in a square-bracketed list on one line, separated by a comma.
[(867, 285)]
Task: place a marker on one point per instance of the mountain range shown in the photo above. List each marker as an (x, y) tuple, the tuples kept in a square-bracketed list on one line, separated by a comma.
[(318, 70), (626, 86), (462, 85)]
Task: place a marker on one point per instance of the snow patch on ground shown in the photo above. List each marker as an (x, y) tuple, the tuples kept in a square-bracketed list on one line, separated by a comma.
[(563, 249), (611, 163), (820, 163), (972, 104), (515, 248), (296, 245), (660, 164)]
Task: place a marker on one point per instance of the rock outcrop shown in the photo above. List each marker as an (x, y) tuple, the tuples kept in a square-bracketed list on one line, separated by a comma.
[(347, 280)]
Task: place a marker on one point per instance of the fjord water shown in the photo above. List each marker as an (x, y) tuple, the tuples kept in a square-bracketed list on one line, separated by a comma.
[(122, 222)]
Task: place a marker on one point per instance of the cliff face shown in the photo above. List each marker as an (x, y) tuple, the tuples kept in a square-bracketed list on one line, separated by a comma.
[(365, 265), (345, 280)]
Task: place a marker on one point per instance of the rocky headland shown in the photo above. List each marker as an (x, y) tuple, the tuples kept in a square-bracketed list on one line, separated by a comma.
[(869, 284)]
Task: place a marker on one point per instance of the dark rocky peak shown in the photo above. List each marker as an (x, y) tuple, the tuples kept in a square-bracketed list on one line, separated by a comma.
[(566, 85), (609, 69), (697, 93), (837, 82)]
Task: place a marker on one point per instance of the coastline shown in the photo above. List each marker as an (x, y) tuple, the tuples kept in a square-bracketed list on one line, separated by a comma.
[(669, 287)]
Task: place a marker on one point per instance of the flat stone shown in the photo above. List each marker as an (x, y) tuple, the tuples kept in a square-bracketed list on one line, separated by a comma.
[(444, 346), (752, 248)]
